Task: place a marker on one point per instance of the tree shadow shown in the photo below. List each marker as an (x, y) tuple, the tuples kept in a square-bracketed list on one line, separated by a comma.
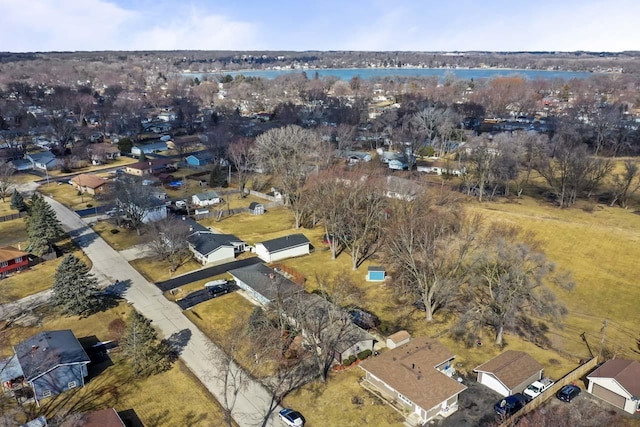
[(117, 288), (98, 352), (130, 418), (81, 238), (176, 343)]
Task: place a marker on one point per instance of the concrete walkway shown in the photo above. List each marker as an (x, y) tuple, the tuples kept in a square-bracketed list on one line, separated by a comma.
[(252, 401), (136, 252)]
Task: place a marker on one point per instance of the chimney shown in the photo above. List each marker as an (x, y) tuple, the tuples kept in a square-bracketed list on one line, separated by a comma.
[(413, 366)]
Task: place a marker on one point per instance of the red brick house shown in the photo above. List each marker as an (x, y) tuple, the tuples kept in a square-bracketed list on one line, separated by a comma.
[(12, 260)]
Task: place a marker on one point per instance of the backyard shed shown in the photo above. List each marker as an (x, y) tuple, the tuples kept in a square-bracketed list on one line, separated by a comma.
[(397, 339), (256, 208)]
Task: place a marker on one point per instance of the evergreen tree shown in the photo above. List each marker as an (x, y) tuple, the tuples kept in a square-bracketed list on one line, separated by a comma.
[(75, 290), (17, 202), (141, 346), (142, 157), (43, 227)]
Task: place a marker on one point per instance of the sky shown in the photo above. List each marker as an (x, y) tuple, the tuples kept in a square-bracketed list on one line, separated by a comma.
[(380, 25)]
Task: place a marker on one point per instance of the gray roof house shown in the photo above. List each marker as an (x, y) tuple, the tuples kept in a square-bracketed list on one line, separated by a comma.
[(44, 160), (264, 284), (208, 247), (51, 362), (284, 247)]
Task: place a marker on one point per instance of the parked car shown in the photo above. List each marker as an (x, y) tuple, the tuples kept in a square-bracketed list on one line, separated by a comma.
[(568, 393), (537, 387), (181, 204), (292, 418), (217, 290), (510, 405)]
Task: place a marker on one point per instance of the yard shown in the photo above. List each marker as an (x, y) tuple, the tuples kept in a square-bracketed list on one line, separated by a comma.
[(13, 232), (256, 228), (119, 162), (157, 271), (39, 277), (124, 238), (153, 399), (5, 207), (68, 196)]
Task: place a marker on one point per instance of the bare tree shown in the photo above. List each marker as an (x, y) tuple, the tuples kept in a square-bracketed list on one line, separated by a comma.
[(428, 245), (481, 163), (626, 184), (134, 200), (241, 154), (290, 154), (169, 241), (508, 290), (7, 180)]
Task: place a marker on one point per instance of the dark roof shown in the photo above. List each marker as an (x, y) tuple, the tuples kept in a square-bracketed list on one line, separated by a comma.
[(45, 351), (285, 242), (375, 268), (411, 370), (511, 367), (625, 372), (254, 205), (266, 281), (202, 155), (150, 164), (206, 242), (194, 225)]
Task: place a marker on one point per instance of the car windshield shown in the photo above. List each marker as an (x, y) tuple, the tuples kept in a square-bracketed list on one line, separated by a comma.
[(533, 388)]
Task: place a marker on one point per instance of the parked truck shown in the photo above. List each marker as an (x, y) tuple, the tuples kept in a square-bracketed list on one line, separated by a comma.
[(537, 387)]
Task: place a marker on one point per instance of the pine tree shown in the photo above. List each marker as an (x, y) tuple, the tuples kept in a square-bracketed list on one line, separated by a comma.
[(75, 290), (141, 346), (142, 157), (43, 227), (17, 202)]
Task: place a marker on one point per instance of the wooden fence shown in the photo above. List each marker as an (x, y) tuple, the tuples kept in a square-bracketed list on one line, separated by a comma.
[(13, 216), (570, 378)]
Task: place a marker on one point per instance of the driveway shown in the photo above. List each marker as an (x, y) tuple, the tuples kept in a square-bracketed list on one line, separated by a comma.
[(475, 407), (199, 353), (205, 273), (199, 296)]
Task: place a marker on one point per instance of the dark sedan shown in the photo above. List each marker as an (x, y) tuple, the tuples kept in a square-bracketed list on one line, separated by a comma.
[(568, 393)]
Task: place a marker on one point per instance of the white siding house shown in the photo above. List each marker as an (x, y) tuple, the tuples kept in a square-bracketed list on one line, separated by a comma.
[(206, 199), (285, 247)]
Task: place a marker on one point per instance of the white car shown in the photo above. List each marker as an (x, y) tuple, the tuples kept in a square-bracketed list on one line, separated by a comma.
[(291, 418)]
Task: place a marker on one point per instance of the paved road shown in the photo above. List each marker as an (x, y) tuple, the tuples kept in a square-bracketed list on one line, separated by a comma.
[(252, 401), (205, 273)]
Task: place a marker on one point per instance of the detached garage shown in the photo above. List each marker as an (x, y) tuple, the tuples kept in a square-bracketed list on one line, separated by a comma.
[(285, 247), (617, 382), (509, 373)]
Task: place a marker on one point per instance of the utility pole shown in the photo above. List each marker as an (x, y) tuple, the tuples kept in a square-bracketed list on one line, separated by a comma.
[(584, 338), (604, 335)]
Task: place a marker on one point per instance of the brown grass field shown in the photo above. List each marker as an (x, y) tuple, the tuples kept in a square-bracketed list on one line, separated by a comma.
[(13, 232), (125, 238), (68, 196), (158, 271), (171, 398)]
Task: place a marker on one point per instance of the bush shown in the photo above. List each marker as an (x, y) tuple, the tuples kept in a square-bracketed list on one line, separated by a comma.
[(364, 354), (117, 328), (89, 205), (114, 231), (349, 361)]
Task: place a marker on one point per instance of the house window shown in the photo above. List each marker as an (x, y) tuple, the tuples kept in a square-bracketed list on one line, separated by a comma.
[(72, 384), (46, 393), (18, 260), (404, 399), (4, 263)]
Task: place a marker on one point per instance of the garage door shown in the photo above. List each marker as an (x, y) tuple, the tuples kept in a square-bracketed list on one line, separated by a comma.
[(608, 396)]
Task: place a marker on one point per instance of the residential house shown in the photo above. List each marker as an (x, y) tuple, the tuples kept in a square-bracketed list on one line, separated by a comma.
[(509, 372), (91, 184), (617, 382), (289, 246), (200, 159), (50, 362), (102, 418), (208, 247), (417, 377), (154, 147), (402, 188), (21, 165), (44, 160), (12, 260), (440, 168), (206, 199), (156, 213), (256, 208), (151, 167), (397, 339), (103, 152), (264, 284)]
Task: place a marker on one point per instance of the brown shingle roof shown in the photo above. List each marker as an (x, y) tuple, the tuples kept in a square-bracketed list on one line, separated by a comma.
[(102, 418), (625, 372), (150, 164), (511, 367), (410, 370), (8, 253), (89, 181)]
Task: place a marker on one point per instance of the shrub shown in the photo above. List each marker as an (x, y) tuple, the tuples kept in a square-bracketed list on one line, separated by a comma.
[(364, 354), (117, 328), (114, 231), (89, 205), (349, 361)]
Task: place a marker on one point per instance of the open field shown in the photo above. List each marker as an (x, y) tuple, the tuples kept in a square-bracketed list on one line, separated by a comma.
[(153, 399), (13, 232), (68, 196), (123, 239), (158, 271), (39, 277), (342, 402)]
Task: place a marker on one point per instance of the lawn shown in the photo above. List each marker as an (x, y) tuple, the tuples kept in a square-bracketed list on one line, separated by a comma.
[(119, 162), (68, 196), (13, 232), (5, 207), (153, 399), (124, 238), (275, 222), (39, 277), (342, 402), (157, 271)]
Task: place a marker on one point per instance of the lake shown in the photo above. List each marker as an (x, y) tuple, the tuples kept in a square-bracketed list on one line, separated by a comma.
[(374, 73)]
